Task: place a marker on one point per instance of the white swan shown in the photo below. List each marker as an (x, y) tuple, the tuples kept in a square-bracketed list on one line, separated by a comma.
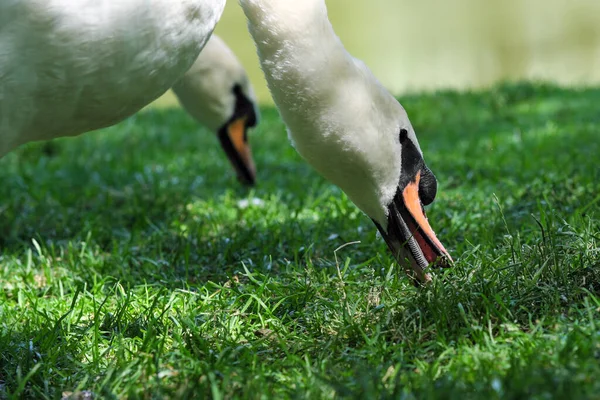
[(346, 125), (71, 66), (216, 91)]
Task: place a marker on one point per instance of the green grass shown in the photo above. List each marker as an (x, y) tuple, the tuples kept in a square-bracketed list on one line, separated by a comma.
[(134, 265)]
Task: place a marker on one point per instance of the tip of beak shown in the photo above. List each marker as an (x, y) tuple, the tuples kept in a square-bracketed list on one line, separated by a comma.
[(247, 181), (444, 261), (247, 173), (423, 282)]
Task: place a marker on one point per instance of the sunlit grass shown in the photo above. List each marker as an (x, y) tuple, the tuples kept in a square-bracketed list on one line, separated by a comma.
[(134, 265)]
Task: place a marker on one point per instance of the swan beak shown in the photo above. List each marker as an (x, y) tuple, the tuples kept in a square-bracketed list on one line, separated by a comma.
[(234, 140), (409, 235)]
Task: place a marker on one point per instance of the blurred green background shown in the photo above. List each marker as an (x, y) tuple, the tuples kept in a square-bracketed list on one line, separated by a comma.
[(430, 44)]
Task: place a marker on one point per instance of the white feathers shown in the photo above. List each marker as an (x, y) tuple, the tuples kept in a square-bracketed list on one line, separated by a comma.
[(339, 117), (70, 66)]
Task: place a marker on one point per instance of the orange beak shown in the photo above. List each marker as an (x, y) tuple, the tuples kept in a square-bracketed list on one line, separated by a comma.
[(234, 141), (409, 235)]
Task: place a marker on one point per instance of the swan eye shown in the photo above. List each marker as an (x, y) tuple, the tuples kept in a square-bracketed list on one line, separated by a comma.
[(403, 135), (427, 186)]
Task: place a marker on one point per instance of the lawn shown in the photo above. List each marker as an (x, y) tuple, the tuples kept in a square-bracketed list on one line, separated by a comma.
[(134, 265)]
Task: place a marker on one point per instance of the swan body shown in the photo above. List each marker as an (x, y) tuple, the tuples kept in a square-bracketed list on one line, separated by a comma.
[(71, 66), (346, 125)]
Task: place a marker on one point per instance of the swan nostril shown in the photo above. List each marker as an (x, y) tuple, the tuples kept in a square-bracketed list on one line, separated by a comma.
[(427, 186)]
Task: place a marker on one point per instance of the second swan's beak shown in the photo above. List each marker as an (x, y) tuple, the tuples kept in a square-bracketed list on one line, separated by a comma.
[(234, 140)]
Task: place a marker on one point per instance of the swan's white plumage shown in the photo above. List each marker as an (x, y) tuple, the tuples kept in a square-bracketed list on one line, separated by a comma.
[(70, 66), (339, 117), (205, 90)]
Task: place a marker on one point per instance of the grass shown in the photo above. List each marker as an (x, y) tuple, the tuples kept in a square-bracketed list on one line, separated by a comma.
[(133, 264)]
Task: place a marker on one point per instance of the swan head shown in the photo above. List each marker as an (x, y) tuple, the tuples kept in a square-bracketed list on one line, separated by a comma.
[(216, 91), (233, 134), (361, 139), (368, 148), (404, 226)]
